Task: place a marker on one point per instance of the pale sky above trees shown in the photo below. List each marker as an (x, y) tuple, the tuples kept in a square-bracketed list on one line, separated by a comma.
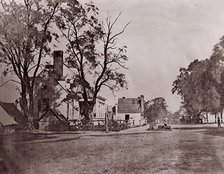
[(163, 36)]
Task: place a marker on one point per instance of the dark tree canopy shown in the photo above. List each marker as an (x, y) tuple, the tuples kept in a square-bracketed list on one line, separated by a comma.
[(200, 85), (155, 109)]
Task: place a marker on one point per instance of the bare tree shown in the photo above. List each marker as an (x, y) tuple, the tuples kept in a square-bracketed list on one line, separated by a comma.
[(93, 51)]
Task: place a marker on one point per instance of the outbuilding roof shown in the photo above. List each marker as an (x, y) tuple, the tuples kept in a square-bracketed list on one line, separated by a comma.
[(129, 105), (12, 110), (5, 118)]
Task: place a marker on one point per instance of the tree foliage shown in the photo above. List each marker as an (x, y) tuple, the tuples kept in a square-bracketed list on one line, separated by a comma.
[(200, 85), (155, 108)]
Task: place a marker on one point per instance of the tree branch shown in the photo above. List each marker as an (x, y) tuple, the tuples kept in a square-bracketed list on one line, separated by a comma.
[(113, 37), (42, 43)]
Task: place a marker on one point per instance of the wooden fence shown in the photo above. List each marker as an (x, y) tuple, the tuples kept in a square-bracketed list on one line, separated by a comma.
[(99, 125)]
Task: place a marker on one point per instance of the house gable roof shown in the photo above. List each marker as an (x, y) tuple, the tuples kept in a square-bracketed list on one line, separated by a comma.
[(12, 110), (129, 105), (5, 118), (56, 114)]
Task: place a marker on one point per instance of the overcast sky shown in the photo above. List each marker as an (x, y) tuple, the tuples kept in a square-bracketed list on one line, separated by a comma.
[(163, 36)]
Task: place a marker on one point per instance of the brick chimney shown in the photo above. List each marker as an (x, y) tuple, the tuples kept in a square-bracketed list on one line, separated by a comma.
[(58, 64)]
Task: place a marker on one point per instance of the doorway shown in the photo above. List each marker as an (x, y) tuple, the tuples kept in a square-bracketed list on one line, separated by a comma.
[(127, 117)]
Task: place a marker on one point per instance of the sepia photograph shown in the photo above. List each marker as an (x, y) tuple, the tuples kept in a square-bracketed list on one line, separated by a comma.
[(111, 86)]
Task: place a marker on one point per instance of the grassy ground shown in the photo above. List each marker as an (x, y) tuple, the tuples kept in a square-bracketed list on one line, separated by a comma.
[(177, 151)]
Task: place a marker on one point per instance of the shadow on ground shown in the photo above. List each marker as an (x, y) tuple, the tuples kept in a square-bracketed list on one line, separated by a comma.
[(194, 128), (214, 132), (26, 137)]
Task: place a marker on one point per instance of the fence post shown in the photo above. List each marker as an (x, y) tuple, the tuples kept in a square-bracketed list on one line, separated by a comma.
[(106, 123)]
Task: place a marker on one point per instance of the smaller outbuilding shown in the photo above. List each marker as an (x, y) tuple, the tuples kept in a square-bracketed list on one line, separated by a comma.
[(10, 117), (212, 117), (14, 112), (131, 110), (53, 120)]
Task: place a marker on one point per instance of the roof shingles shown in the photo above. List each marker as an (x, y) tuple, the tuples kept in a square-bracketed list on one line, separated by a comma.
[(129, 105)]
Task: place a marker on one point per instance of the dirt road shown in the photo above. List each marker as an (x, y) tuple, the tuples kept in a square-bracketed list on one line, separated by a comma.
[(176, 151)]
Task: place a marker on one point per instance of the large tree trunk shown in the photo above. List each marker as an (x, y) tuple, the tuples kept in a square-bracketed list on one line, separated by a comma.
[(87, 106), (31, 111), (23, 100), (24, 103), (27, 108), (87, 109)]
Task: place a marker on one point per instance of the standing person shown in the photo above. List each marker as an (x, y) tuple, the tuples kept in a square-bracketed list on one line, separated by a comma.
[(219, 122)]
